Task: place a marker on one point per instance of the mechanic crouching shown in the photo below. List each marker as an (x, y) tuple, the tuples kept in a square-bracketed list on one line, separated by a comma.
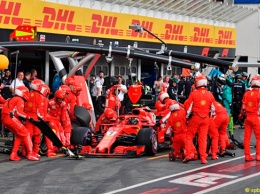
[(177, 122), (58, 113)]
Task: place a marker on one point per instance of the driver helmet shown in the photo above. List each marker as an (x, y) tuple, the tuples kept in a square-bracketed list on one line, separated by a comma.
[(109, 113)]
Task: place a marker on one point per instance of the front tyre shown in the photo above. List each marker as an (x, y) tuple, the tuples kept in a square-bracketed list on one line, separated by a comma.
[(148, 138)]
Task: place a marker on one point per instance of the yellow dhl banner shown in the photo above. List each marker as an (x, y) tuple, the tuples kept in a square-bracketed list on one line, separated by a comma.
[(70, 20)]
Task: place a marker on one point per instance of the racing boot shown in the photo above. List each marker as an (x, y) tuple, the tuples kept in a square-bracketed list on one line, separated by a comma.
[(257, 158), (36, 145), (188, 158), (172, 157), (214, 157), (13, 156), (28, 145), (50, 149), (249, 158), (203, 161)]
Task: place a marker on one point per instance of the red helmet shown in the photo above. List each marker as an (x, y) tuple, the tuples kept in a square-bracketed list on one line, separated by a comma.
[(109, 113), (255, 81), (162, 96), (201, 81), (60, 94), (69, 81), (36, 84), (22, 91), (45, 90), (65, 88), (75, 89), (174, 105)]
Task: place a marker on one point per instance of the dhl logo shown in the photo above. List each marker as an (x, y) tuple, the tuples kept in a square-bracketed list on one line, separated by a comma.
[(174, 32), (104, 25), (146, 24), (58, 19), (9, 14), (225, 37), (201, 35)]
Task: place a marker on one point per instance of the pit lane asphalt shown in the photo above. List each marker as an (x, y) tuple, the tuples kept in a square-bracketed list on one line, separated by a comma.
[(98, 175)]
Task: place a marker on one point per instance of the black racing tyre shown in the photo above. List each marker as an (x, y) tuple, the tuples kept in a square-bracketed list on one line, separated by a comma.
[(43, 146), (82, 115), (148, 137), (75, 124), (81, 136)]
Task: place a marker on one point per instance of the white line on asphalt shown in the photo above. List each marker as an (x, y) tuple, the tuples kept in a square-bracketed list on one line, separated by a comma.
[(170, 176), (228, 183)]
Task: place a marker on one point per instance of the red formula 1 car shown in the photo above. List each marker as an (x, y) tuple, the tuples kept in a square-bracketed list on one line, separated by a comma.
[(129, 135)]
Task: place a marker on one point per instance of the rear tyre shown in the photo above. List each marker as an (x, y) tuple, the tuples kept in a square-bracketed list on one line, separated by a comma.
[(148, 138), (82, 115)]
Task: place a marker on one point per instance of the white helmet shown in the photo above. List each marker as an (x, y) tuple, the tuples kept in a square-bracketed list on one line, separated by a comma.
[(255, 81), (36, 85), (162, 96), (23, 92), (201, 81), (174, 106)]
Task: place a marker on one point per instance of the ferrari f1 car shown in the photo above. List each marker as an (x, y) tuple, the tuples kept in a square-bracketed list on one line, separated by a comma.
[(129, 135)]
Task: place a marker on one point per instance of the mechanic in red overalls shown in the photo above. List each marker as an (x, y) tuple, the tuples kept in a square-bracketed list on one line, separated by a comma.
[(45, 91), (214, 136), (75, 90), (34, 107), (177, 122), (164, 112), (57, 110), (199, 104), (221, 120), (111, 105), (250, 107), (70, 101), (160, 104), (12, 110)]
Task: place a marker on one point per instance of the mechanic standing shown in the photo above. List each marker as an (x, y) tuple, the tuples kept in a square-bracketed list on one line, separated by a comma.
[(198, 106), (221, 120), (250, 108), (45, 91), (12, 110)]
